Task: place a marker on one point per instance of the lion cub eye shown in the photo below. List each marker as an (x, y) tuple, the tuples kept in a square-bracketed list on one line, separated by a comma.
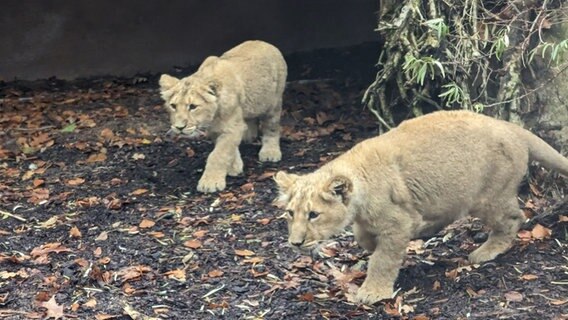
[(191, 106), (173, 106), (312, 215), (290, 213)]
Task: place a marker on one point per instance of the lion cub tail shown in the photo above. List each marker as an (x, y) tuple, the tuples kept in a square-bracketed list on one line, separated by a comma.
[(542, 152)]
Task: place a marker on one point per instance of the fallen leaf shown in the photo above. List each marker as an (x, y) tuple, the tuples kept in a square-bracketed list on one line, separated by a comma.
[(53, 309), (54, 247), (562, 218), (103, 236), (75, 182), (156, 234), (90, 304), (96, 157), (193, 244), (146, 223), (189, 152), (513, 296), (138, 192), (247, 187), (176, 274), (263, 221), (75, 232), (98, 251), (107, 134), (104, 316), (215, 273), (266, 175), (37, 182), (138, 156), (308, 297), (243, 253), (558, 302), (529, 277), (200, 233), (540, 232)]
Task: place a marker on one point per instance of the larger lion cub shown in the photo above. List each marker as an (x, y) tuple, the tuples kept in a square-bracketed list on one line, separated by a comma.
[(227, 99), (413, 181)]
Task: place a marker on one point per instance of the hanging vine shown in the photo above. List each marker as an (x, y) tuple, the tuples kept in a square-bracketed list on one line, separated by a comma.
[(460, 54)]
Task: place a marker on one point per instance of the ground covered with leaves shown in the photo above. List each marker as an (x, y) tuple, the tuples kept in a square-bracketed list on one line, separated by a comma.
[(101, 220)]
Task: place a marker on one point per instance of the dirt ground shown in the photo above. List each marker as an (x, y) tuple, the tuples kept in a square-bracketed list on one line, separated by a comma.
[(100, 218)]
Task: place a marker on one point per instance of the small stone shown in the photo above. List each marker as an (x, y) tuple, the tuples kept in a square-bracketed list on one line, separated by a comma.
[(480, 237)]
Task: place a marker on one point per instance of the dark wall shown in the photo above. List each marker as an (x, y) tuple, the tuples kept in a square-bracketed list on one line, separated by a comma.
[(69, 39)]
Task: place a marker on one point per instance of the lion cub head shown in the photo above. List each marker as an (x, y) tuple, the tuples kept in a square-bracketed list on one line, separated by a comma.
[(191, 103), (316, 206)]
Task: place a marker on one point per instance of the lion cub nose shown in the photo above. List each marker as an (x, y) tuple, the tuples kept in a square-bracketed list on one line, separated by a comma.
[(180, 127), (297, 243)]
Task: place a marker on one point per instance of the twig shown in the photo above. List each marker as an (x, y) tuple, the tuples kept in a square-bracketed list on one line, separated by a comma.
[(34, 129), (11, 215), (213, 291)]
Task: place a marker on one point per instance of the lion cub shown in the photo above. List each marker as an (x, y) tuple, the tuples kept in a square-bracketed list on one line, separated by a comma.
[(413, 181), (227, 99)]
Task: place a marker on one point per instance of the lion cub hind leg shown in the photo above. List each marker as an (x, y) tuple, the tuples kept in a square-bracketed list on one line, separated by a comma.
[(270, 150), (504, 222), (252, 130)]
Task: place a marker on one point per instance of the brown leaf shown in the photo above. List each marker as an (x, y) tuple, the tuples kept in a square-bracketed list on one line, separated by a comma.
[(96, 157), (146, 223), (53, 309), (189, 152), (107, 134), (98, 251), (266, 175), (75, 232), (132, 272), (529, 277), (193, 244), (254, 260), (200, 233), (540, 232), (104, 316), (176, 274), (263, 221), (436, 286), (558, 302), (103, 236), (45, 249), (562, 218), (247, 187), (513, 296), (75, 182), (215, 273), (420, 317), (244, 253), (308, 297), (138, 192), (91, 303), (156, 234), (37, 182)]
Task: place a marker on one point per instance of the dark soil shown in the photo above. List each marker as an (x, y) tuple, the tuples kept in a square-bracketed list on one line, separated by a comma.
[(131, 238)]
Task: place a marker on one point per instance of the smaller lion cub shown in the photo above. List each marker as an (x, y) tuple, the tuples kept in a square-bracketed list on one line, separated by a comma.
[(410, 183), (228, 99)]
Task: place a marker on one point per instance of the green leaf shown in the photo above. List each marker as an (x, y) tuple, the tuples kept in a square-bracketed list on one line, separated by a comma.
[(69, 128)]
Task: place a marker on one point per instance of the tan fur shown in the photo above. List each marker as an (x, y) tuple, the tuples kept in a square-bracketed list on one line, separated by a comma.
[(413, 181), (227, 99)]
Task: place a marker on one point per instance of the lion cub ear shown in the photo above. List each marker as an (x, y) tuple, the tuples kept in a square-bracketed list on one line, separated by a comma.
[(213, 87), (340, 187), (167, 81), (285, 180)]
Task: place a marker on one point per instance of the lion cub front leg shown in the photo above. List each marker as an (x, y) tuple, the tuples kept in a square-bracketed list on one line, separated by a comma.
[(270, 150), (383, 268), (222, 161)]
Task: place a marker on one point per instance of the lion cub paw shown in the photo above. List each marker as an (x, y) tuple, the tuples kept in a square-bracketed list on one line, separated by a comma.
[(368, 297), (211, 184), (269, 154)]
